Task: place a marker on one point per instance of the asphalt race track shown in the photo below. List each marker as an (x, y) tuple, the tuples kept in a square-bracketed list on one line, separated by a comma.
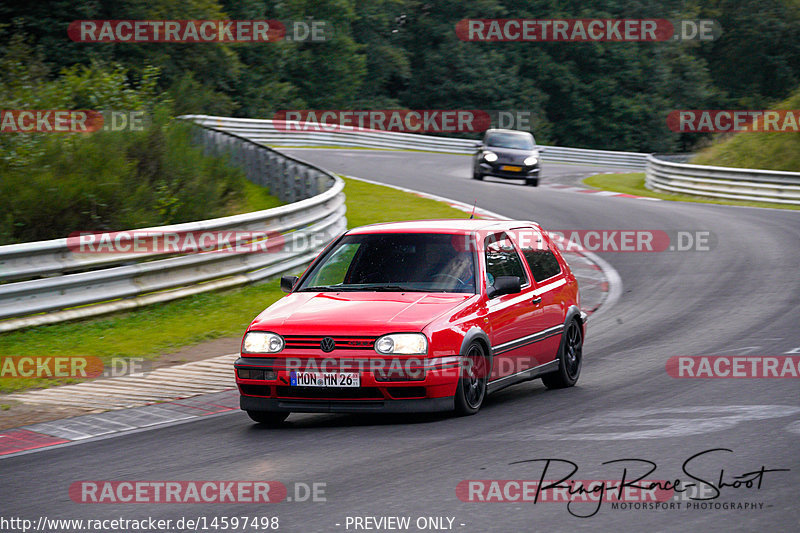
[(738, 299)]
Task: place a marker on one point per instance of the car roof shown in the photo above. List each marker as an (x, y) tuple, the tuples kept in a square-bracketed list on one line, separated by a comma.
[(497, 130), (459, 226)]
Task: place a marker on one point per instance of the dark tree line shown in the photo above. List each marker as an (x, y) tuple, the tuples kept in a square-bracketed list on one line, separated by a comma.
[(405, 54)]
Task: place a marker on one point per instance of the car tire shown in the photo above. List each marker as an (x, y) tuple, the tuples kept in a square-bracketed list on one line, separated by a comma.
[(268, 418), (477, 175), (473, 376), (532, 182), (570, 359)]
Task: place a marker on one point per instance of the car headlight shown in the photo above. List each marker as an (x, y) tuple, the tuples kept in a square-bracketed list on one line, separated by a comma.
[(262, 342), (491, 157), (531, 160), (402, 343)]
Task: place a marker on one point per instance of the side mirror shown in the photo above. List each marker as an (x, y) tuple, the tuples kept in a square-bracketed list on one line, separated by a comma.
[(288, 283), (478, 146), (504, 285), (541, 149)]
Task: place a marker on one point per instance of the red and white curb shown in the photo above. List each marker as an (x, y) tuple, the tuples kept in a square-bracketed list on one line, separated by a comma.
[(163, 396), (598, 192)]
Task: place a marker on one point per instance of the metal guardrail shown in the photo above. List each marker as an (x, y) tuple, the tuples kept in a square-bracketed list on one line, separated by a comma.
[(46, 282), (722, 182), (277, 133), (667, 173)]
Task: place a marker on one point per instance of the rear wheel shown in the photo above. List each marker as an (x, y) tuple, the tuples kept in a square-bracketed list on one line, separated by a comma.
[(474, 374), (267, 418), (570, 359)]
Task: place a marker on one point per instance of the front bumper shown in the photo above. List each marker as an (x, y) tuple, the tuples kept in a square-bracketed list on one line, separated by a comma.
[(490, 169), (423, 405), (433, 393)]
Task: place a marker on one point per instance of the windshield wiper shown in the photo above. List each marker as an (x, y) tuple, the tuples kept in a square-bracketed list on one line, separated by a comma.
[(322, 288), (392, 288)]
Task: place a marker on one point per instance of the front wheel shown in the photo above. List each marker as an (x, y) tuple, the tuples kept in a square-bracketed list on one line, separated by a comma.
[(476, 175), (532, 182), (474, 374), (570, 358), (267, 418)]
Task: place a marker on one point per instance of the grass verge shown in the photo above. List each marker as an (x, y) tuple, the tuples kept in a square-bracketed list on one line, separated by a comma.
[(162, 328), (634, 184)]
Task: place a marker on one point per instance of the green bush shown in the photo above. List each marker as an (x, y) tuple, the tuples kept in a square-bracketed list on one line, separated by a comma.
[(53, 184), (114, 181)]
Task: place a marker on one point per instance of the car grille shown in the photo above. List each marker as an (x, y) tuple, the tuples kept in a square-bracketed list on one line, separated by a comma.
[(342, 342)]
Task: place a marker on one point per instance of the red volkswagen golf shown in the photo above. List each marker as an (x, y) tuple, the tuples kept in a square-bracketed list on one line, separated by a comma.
[(415, 316)]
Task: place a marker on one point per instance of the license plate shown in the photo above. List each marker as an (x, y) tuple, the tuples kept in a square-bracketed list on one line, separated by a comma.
[(325, 379), (510, 167)]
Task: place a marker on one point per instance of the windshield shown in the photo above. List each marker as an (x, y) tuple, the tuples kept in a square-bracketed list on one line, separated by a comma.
[(394, 262), (517, 141)]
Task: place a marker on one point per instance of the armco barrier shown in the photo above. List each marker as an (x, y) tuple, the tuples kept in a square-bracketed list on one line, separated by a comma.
[(276, 133), (722, 182), (668, 173), (45, 282)]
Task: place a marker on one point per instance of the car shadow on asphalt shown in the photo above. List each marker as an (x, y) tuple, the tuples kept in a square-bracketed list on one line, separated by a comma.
[(496, 403)]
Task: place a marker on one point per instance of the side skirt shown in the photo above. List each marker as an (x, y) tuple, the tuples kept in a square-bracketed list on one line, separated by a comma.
[(525, 375)]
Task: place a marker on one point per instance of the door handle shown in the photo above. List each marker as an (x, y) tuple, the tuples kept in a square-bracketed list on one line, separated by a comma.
[(536, 300)]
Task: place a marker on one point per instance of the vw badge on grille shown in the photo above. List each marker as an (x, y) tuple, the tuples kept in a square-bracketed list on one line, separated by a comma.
[(327, 344)]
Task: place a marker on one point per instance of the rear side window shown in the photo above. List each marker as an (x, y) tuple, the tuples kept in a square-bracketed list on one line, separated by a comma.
[(541, 260), (502, 259)]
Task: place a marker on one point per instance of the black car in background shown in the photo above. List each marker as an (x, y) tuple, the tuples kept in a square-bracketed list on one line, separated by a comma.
[(507, 154)]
